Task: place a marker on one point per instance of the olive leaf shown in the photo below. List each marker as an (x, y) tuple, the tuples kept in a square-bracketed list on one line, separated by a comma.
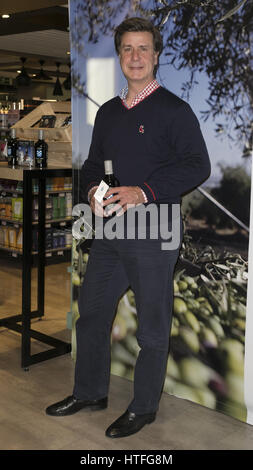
[(232, 12)]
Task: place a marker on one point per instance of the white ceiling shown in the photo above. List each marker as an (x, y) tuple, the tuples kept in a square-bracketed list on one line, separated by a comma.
[(51, 45), (39, 45), (44, 43)]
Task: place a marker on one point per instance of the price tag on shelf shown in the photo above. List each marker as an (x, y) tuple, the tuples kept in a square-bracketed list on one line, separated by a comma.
[(14, 255), (48, 255), (62, 224), (60, 253)]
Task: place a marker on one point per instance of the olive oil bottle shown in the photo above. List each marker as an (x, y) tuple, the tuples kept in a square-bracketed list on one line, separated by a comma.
[(41, 149)]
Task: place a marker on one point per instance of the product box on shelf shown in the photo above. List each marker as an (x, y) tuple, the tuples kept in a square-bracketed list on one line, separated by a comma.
[(17, 208)]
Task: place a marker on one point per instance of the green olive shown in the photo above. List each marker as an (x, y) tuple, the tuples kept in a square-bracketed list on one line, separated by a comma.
[(193, 305), (208, 337), (241, 310), (172, 368), (206, 397), (132, 344), (232, 352), (119, 328), (190, 338), (131, 297), (125, 312), (235, 387), (194, 372), (74, 307), (239, 323), (129, 374), (205, 303), (182, 285), (179, 305), (174, 328), (185, 391), (235, 409), (117, 368), (191, 282), (168, 385), (192, 321), (85, 257), (216, 327), (175, 287), (75, 278), (203, 313)]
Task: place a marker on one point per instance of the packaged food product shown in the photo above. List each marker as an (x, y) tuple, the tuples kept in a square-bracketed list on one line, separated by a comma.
[(62, 208), (6, 237), (19, 242), (8, 207), (68, 205), (2, 207), (17, 208), (1, 236), (12, 232)]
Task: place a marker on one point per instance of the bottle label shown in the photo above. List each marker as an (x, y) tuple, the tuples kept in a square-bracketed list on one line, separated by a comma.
[(39, 153), (101, 190)]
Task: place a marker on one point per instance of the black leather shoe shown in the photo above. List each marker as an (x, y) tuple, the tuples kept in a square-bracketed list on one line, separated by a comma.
[(129, 423), (71, 405)]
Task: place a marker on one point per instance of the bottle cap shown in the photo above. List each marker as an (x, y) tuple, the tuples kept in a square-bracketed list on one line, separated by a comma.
[(13, 132), (41, 134), (108, 167)]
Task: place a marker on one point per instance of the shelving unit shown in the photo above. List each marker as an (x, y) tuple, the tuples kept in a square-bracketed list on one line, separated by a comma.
[(62, 223), (22, 322)]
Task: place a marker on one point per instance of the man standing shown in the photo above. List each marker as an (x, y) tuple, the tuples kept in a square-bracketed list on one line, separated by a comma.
[(158, 153)]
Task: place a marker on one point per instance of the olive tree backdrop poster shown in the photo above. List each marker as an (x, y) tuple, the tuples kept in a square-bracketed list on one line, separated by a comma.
[(211, 349)]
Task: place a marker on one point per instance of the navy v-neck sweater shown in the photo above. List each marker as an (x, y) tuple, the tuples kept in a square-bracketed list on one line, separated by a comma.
[(156, 145)]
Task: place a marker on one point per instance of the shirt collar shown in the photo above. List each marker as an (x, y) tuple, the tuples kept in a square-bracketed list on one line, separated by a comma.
[(151, 86)]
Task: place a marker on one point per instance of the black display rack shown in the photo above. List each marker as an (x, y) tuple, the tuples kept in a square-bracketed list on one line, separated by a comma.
[(21, 323)]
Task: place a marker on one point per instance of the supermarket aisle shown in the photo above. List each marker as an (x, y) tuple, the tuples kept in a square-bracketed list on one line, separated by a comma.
[(180, 424)]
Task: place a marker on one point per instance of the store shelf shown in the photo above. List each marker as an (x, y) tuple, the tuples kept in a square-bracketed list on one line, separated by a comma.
[(63, 220), (52, 250), (29, 257), (20, 193), (3, 220)]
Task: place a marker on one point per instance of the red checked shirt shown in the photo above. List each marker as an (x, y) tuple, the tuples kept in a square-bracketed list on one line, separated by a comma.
[(152, 86)]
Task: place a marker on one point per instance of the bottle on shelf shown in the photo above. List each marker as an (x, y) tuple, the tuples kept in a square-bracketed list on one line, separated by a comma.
[(111, 180), (41, 149), (12, 147)]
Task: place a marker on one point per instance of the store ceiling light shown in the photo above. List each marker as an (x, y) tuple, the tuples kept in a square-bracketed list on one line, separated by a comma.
[(67, 81), (4, 16), (42, 75), (57, 88), (23, 78)]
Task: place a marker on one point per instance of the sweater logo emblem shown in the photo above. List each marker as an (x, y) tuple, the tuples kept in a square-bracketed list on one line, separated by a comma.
[(141, 129)]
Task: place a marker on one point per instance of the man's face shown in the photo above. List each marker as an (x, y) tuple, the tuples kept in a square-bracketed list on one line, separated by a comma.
[(137, 56)]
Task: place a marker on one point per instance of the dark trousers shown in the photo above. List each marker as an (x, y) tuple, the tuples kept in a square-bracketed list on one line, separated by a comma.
[(113, 266)]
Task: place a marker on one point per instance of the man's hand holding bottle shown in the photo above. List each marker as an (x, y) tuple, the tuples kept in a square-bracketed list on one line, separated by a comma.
[(122, 198)]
